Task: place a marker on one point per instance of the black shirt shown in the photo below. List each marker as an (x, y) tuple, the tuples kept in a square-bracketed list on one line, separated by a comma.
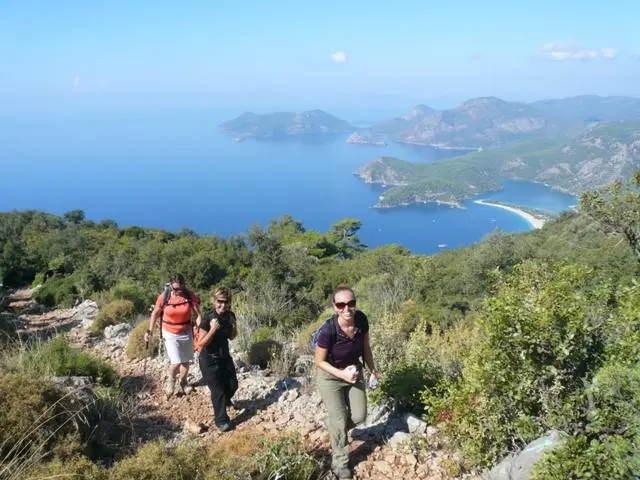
[(219, 345)]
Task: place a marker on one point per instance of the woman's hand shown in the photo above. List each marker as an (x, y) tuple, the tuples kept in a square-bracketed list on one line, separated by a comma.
[(373, 380), (350, 374)]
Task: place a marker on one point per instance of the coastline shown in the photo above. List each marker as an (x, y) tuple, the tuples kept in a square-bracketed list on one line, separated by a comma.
[(533, 221)]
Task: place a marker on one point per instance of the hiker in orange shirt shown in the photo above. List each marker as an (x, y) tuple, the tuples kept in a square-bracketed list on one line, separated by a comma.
[(175, 308)]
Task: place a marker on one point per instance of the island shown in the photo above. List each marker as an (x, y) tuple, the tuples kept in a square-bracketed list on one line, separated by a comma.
[(284, 124)]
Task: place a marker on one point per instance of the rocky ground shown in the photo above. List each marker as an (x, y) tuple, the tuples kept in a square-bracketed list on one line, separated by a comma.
[(388, 446)]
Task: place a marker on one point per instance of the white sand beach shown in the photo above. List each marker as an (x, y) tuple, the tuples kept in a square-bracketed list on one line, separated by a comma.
[(533, 221)]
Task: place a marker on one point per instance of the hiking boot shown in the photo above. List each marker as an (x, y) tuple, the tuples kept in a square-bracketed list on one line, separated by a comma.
[(225, 427), (169, 386)]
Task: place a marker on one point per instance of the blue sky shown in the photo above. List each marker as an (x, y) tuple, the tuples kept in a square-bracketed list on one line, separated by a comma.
[(316, 53)]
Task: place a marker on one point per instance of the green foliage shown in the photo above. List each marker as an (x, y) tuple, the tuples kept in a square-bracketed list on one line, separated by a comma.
[(58, 291), (578, 459), (542, 335), (33, 415), (618, 207), (127, 289), (136, 347), (286, 459), (117, 311), (157, 461), (59, 358), (261, 334), (405, 383), (67, 469)]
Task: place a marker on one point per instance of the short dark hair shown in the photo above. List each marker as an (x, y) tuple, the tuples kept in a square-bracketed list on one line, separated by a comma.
[(342, 288)]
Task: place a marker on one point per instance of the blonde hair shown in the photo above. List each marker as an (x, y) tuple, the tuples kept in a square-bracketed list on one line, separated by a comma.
[(222, 292)]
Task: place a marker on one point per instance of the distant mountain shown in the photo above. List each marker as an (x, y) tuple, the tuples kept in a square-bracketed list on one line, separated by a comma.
[(491, 121), (273, 125), (596, 157), (401, 124), (479, 122), (591, 108)]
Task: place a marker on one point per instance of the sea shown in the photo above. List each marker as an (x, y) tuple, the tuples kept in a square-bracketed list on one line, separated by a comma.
[(174, 169)]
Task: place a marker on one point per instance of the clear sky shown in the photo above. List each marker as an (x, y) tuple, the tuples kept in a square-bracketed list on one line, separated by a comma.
[(317, 53)]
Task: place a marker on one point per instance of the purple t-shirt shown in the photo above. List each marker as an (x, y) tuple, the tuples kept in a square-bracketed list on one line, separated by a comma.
[(345, 351)]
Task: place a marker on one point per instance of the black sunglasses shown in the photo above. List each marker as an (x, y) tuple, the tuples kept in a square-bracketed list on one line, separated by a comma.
[(341, 305)]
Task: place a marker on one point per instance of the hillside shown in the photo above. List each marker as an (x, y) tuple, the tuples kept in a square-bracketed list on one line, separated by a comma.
[(490, 121), (591, 108), (596, 157), (548, 319), (274, 125)]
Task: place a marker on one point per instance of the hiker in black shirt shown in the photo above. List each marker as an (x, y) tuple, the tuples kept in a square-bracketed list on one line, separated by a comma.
[(216, 363)]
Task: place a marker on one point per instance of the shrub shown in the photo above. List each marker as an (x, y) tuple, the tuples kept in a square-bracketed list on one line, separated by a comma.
[(59, 358), (58, 292), (134, 292), (117, 311), (541, 336), (75, 467), (285, 459), (261, 334), (405, 382), (8, 328), (136, 347), (33, 415), (262, 353), (157, 461), (607, 446)]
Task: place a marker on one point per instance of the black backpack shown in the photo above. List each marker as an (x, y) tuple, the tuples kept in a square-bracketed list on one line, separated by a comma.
[(361, 322)]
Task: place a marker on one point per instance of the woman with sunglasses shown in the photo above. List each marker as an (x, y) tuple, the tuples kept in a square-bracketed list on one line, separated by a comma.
[(216, 363), (342, 342)]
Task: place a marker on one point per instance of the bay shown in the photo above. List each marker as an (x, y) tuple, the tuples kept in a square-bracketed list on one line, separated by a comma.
[(173, 169)]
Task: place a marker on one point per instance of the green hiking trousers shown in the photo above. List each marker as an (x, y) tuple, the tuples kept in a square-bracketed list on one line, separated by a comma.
[(346, 406)]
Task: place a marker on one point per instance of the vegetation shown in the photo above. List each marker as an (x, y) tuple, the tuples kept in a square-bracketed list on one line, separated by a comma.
[(588, 161), (496, 343)]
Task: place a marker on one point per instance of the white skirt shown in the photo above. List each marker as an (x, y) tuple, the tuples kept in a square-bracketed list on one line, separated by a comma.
[(179, 346)]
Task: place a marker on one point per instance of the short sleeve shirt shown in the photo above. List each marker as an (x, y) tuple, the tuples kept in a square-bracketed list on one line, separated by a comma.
[(346, 350), (219, 346), (176, 315)]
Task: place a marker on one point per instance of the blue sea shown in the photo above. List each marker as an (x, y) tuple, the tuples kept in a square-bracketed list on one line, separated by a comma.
[(173, 169)]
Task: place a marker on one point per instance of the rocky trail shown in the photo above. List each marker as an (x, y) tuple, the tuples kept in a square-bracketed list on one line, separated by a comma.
[(384, 448)]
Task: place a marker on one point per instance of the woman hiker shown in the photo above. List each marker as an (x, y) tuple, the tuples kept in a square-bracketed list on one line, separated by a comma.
[(341, 344), (216, 364), (176, 307)]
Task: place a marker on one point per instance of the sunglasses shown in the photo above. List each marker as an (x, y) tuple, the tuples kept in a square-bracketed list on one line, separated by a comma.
[(341, 305), (223, 302)]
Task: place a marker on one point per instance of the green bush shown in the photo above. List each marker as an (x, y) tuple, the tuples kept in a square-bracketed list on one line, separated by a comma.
[(117, 311), (607, 446), (34, 415), (263, 352), (261, 334), (59, 358), (405, 382), (8, 328), (67, 469), (541, 336), (134, 292), (157, 461), (136, 348), (286, 459), (58, 292)]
